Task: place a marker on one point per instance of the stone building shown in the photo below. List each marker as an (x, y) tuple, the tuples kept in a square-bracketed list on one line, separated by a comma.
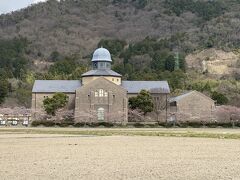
[(101, 94), (192, 106)]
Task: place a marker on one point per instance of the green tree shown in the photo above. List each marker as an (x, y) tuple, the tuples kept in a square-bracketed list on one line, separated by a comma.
[(142, 101), (77, 73), (51, 105), (219, 98), (12, 56), (3, 89), (66, 66), (24, 97), (170, 63), (158, 60), (115, 46), (55, 56)]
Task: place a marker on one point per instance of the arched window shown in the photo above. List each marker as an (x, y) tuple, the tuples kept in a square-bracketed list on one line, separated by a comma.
[(101, 92), (100, 114), (106, 94)]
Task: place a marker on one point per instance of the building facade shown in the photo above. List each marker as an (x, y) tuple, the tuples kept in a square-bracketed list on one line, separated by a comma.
[(101, 94), (192, 106)]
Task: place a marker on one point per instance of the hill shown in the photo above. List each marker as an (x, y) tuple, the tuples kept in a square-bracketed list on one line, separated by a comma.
[(149, 39), (76, 26)]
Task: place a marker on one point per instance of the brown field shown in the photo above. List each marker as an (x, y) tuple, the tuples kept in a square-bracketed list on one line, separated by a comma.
[(31, 155)]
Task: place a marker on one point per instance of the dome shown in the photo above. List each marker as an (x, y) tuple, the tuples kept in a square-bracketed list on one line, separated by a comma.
[(101, 54)]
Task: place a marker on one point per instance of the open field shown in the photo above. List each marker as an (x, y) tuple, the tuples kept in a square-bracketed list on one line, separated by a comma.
[(69, 153)]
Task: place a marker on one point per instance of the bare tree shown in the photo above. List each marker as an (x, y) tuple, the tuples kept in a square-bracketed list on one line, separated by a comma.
[(228, 114), (160, 106)]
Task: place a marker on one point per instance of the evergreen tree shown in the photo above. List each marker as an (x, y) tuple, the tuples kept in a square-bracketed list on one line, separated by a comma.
[(143, 101), (51, 105)]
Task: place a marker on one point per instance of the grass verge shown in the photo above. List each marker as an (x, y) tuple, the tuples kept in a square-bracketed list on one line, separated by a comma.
[(124, 132)]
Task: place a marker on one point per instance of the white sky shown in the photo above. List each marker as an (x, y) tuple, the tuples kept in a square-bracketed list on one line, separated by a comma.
[(7, 6)]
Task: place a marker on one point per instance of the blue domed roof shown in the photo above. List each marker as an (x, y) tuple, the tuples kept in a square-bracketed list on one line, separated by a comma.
[(101, 54)]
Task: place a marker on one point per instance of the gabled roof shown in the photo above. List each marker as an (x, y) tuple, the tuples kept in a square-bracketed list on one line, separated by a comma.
[(101, 72), (152, 86), (52, 86), (100, 83), (70, 86), (178, 98)]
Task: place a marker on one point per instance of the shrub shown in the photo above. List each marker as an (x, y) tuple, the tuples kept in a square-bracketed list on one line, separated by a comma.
[(93, 124), (79, 124), (138, 125), (66, 123), (43, 123), (105, 124)]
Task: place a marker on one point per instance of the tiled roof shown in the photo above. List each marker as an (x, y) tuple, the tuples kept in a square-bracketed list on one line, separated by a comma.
[(152, 86), (102, 72), (51, 86)]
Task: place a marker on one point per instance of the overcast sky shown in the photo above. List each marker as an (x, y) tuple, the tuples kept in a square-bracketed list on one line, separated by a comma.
[(12, 5)]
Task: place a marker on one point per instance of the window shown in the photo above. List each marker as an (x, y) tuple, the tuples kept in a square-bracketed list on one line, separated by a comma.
[(101, 92), (105, 94), (100, 114), (113, 98), (25, 122), (112, 79), (2, 122), (14, 123)]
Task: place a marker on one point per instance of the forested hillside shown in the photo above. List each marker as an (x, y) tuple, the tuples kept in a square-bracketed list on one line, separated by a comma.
[(149, 39)]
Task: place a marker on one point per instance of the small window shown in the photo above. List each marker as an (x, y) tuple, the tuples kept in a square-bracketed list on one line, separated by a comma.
[(14, 123), (117, 80), (105, 94), (25, 122), (112, 79), (3, 122), (96, 94), (113, 98)]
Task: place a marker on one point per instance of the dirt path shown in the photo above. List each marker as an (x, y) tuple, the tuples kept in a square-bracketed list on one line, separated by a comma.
[(28, 156)]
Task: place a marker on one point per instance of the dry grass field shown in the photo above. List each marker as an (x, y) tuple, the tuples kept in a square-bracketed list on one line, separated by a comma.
[(44, 153)]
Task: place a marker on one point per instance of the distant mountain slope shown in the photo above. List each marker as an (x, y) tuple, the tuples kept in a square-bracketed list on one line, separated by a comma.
[(76, 26)]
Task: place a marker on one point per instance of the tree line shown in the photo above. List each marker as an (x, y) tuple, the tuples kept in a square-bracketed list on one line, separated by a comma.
[(149, 59)]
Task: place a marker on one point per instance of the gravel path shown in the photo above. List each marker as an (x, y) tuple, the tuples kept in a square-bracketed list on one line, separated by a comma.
[(33, 157)]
